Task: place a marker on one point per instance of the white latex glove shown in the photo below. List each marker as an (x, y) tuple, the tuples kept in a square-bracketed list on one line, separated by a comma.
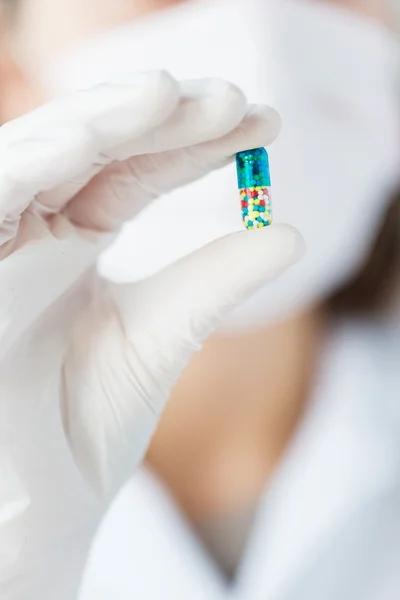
[(86, 366)]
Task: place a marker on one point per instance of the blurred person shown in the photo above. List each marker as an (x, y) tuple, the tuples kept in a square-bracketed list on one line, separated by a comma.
[(274, 472)]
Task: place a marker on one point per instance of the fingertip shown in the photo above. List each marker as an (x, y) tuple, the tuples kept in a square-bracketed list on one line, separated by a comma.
[(233, 106), (276, 247), (223, 105), (274, 118), (286, 240), (260, 127), (162, 87), (160, 94)]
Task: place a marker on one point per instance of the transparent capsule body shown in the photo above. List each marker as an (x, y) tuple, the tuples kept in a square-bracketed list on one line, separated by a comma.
[(254, 184)]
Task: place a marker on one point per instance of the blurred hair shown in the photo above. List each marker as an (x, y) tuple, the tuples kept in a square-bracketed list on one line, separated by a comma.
[(9, 5), (371, 289)]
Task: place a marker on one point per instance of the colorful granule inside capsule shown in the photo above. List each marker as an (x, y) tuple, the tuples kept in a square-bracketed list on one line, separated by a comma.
[(254, 184)]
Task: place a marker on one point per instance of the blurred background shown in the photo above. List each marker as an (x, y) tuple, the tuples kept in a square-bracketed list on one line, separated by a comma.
[(275, 472)]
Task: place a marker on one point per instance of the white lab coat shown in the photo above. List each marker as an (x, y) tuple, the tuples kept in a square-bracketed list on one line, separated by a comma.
[(328, 524)]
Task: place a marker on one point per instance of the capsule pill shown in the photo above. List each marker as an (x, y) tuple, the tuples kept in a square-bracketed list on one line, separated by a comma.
[(254, 184)]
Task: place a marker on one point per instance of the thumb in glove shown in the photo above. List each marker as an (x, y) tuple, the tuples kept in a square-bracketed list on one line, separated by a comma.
[(137, 342)]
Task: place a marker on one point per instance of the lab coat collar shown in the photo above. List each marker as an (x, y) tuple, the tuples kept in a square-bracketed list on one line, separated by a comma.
[(146, 549), (345, 455), (342, 457)]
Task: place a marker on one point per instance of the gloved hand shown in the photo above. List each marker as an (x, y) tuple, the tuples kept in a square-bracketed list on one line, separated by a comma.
[(86, 366)]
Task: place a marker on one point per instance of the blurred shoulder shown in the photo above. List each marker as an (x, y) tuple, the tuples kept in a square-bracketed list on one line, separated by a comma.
[(371, 350)]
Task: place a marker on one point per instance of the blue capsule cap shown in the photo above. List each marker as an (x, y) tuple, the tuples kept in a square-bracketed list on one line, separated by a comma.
[(253, 168)]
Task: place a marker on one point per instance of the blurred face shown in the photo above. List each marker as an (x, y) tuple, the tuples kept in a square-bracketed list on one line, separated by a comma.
[(75, 19), (49, 26), (43, 28)]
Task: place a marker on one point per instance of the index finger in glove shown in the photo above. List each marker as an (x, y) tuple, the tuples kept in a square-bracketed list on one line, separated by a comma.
[(207, 109), (63, 140), (51, 154), (122, 189)]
